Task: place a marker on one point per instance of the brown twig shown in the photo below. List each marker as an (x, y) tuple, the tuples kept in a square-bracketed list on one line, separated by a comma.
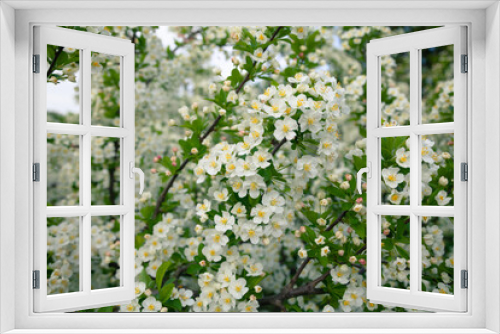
[(54, 61), (278, 146), (210, 129)]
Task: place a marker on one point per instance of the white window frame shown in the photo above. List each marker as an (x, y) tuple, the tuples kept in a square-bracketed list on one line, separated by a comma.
[(85, 43), (484, 102), (412, 44)]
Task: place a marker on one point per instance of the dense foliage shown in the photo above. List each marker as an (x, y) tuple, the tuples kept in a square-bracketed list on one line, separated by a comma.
[(250, 200)]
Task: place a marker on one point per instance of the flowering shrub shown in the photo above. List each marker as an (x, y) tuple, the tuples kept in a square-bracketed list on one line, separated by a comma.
[(250, 203)]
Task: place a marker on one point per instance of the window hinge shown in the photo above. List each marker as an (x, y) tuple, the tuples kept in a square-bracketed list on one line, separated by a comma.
[(465, 64), (36, 279), (464, 173), (465, 279), (36, 172), (36, 63)]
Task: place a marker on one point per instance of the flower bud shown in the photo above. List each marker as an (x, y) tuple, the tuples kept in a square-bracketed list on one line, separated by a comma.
[(175, 149), (194, 106), (297, 234), (258, 288), (302, 229), (168, 173), (156, 159), (359, 200), (348, 177), (171, 122), (386, 232), (345, 185), (198, 228), (253, 298), (147, 292), (352, 259), (341, 252), (321, 222), (222, 112), (323, 202), (164, 309), (443, 181), (303, 48), (203, 263), (266, 241), (446, 155), (188, 133), (194, 150), (362, 261), (153, 170), (206, 110)]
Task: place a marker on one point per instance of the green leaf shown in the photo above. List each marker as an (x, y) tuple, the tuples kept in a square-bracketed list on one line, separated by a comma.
[(166, 292), (160, 273)]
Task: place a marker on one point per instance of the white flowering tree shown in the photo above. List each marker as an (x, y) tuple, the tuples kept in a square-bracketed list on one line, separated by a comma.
[(250, 203)]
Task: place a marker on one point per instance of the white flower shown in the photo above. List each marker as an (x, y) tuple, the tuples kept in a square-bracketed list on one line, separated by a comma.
[(261, 214), (403, 158), (302, 253), (307, 165), (395, 196), (139, 288), (327, 145), (325, 250), (254, 269), (224, 223), (221, 195), (391, 177), (254, 184), (442, 198), (133, 306), (274, 201), (248, 306), (276, 108), (340, 274), (310, 120), (185, 297), (203, 208), (268, 93), (212, 252), (250, 231), (300, 32), (259, 55), (150, 304), (285, 129), (328, 308), (227, 301), (238, 288), (299, 78), (239, 210), (261, 159), (260, 36)]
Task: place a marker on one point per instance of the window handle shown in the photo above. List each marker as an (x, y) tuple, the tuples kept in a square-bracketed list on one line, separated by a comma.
[(368, 171), (134, 170)]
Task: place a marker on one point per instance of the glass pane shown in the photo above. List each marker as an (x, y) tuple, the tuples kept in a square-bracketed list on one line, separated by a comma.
[(395, 246), (63, 255), (437, 169), (395, 172), (63, 79), (105, 252), (395, 90), (437, 254), (105, 171), (63, 169), (105, 89), (437, 84)]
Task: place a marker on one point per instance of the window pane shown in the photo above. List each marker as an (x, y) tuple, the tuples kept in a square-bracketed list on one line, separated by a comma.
[(105, 252), (63, 79), (63, 255), (395, 246), (395, 172), (437, 254), (63, 169), (395, 90), (105, 89), (437, 84), (105, 171), (437, 169)]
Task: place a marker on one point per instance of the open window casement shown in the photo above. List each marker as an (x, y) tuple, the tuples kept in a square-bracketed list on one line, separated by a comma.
[(67, 63), (412, 231)]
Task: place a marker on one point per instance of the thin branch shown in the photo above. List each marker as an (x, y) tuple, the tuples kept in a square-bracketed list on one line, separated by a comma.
[(54, 61), (211, 129), (188, 38), (278, 146)]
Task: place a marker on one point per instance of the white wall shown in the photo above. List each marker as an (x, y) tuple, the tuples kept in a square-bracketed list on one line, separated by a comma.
[(492, 165), (7, 185)]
